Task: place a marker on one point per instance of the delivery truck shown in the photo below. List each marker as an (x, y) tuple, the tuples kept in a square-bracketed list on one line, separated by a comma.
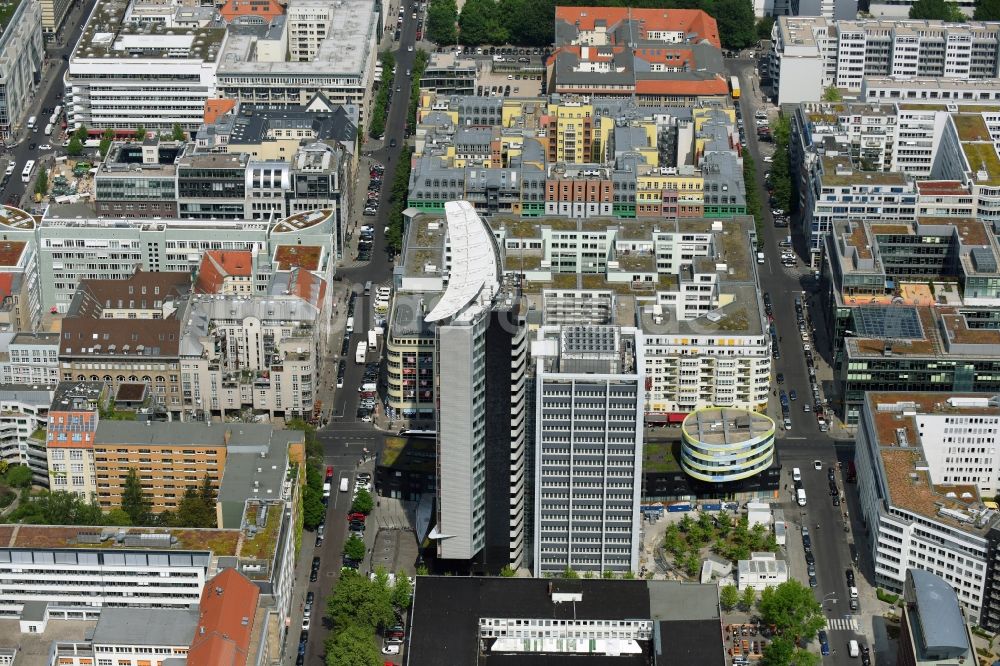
[(361, 353)]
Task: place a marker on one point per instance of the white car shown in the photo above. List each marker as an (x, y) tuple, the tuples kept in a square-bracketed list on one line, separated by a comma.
[(410, 49), (391, 646), (305, 624), (45, 146)]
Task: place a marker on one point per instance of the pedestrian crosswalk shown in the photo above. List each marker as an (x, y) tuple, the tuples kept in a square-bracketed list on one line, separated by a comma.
[(849, 623)]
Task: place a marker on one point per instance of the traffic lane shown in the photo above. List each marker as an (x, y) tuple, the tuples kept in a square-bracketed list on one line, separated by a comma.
[(330, 553), (781, 286)]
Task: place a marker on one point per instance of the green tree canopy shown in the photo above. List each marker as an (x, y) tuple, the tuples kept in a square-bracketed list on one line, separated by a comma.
[(940, 10), (140, 133), (357, 600), (832, 94), (748, 598), (313, 509), (764, 26), (177, 134), (57, 508), (363, 502), (729, 596), (134, 500), (18, 476), (402, 591), (117, 517), (987, 10), (792, 608), (354, 548), (508, 571), (81, 132), (42, 182), (75, 147), (736, 23), (482, 22), (351, 646), (442, 15)]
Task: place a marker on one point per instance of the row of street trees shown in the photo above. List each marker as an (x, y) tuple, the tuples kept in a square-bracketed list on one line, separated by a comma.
[(360, 605)]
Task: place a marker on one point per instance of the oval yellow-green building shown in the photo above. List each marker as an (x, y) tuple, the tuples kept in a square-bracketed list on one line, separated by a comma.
[(720, 444)]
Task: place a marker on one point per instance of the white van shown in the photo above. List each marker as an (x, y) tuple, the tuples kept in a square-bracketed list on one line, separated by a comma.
[(801, 495), (326, 490), (344, 484), (853, 649), (350, 325), (796, 474), (853, 591)]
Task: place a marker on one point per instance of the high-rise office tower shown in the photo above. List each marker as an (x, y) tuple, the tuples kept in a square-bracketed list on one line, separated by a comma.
[(588, 449), (480, 359)]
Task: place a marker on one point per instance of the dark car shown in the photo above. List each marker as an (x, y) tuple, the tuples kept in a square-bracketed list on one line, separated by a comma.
[(310, 597), (836, 500), (392, 143), (810, 559), (812, 581), (830, 474), (824, 643), (781, 378), (345, 347), (807, 542), (849, 574), (314, 574), (866, 656)]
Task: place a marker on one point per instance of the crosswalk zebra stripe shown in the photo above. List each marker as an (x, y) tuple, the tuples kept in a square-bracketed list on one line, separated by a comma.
[(842, 624)]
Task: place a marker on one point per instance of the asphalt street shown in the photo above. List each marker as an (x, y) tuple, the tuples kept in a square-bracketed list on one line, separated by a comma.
[(804, 443), (48, 94), (347, 441)]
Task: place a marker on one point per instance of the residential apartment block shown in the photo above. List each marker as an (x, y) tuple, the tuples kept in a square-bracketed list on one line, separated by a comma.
[(588, 449), (659, 56), (29, 358), (23, 409), (71, 426), (580, 157), (812, 53), (76, 243), (251, 352), (924, 462)]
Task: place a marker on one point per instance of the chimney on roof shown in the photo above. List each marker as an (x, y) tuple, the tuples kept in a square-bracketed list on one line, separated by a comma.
[(245, 621), (218, 591)]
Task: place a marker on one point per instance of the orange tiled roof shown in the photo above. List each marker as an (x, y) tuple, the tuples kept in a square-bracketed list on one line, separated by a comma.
[(266, 9), (309, 287), (216, 107), (716, 86), (228, 605), (660, 20), (217, 265)]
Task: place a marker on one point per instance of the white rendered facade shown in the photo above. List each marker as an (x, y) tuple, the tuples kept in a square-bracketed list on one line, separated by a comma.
[(333, 50), (22, 412), (129, 70), (250, 351), (82, 577), (956, 440), (811, 53), (31, 358)]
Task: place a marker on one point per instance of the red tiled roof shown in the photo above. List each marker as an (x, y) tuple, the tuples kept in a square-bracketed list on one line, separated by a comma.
[(216, 107), (309, 287), (6, 284), (666, 20), (716, 86), (217, 265), (941, 187), (266, 9), (228, 605)]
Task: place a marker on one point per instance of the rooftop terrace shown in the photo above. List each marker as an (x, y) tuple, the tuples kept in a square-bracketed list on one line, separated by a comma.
[(982, 156), (108, 35)]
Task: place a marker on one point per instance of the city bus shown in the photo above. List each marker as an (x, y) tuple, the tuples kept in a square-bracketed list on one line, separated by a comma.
[(734, 86), (29, 167)]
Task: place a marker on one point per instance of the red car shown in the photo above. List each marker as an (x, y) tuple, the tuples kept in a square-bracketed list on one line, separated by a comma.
[(356, 516), (329, 471)]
